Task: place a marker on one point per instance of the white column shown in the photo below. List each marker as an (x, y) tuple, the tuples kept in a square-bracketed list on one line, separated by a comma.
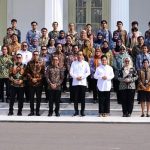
[(53, 12), (119, 11), (42, 11)]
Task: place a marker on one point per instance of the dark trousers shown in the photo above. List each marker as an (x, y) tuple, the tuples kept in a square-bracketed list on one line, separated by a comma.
[(116, 89), (89, 83), (38, 91), (26, 91), (127, 97), (45, 84), (104, 101), (71, 90), (7, 83), (94, 88), (19, 91), (79, 96), (54, 97), (64, 83)]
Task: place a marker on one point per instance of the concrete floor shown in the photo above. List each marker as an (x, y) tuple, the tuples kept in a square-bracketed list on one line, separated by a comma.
[(74, 136)]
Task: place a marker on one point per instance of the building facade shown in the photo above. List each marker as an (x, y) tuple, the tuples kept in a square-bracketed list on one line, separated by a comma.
[(80, 12)]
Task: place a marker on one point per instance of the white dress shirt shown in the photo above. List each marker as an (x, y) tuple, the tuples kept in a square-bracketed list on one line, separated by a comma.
[(26, 56), (104, 85), (79, 69)]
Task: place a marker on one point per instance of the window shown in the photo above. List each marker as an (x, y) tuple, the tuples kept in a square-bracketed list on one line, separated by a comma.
[(83, 12)]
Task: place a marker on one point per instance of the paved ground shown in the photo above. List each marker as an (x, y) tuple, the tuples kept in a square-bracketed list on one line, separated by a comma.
[(52, 136)]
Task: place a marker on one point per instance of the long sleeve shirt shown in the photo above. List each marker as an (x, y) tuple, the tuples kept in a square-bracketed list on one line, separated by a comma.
[(32, 34), (5, 64), (35, 70), (104, 85), (17, 73), (54, 75), (140, 58), (79, 69)]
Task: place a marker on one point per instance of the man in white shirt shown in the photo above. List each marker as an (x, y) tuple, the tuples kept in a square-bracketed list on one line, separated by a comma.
[(104, 74), (26, 55), (79, 71)]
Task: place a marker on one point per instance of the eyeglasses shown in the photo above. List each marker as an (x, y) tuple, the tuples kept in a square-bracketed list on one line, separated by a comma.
[(44, 49), (24, 45), (18, 57)]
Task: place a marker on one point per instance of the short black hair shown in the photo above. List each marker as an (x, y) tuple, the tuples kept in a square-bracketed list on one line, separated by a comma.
[(105, 42), (119, 22), (140, 37), (9, 28), (55, 22), (44, 29), (103, 56), (5, 46), (103, 21), (34, 22), (134, 22), (35, 51), (144, 45), (19, 54), (88, 25), (13, 20), (43, 46), (14, 35), (145, 60)]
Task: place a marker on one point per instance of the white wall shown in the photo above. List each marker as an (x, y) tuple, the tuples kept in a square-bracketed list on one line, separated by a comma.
[(140, 11), (26, 11)]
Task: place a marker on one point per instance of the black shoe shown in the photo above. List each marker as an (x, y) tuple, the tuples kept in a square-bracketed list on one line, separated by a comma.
[(94, 101), (142, 115), (31, 114), (7, 100), (128, 115), (50, 114), (19, 114), (147, 115), (57, 114), (2, 100), (38, 114), (10, 113), (124, 115), (82, 114), (76, 114)]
